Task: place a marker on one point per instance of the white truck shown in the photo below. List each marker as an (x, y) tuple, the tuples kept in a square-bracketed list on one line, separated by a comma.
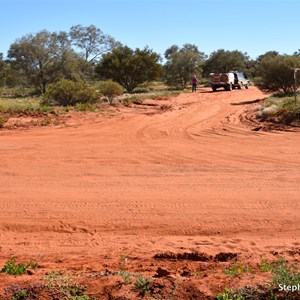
[(228, 81)]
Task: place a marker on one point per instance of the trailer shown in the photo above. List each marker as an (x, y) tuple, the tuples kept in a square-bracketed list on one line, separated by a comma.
[(228, 81)]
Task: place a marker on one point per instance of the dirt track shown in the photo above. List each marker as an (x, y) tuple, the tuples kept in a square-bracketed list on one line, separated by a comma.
[(190, 178)]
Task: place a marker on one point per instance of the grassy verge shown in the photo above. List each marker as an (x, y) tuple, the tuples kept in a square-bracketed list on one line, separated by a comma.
[(19, 104), (19, 100), (158, 94), (281, 110), (14, 106)]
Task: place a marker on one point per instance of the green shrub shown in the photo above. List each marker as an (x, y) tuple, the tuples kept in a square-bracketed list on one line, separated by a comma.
[(110, 89), (236, 268), (275, 73), (68, 92), (85, 107), (60, 286), (12, 268), (20, 295), (285, 274), (143, 285), (266, 265), (126, 276)]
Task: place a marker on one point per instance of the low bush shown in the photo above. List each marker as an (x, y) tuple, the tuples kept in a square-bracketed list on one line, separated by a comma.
[(68, 92), (143, 285), (236, 268), (12, 268), (86, 107), (60, 286), (285, 274), (110, 89)]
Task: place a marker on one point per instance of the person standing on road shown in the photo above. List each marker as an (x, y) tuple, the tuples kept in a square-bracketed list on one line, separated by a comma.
[(194, 83)]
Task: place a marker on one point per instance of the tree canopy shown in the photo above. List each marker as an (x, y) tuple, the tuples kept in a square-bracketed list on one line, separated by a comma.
[(225, 61), (128, 67), (92, 41), (36, 60), (276, 73), (182, 64), (44, 58), (110, 89)]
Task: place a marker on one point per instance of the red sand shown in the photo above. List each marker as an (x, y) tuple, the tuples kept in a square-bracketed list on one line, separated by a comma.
[(148, 180)]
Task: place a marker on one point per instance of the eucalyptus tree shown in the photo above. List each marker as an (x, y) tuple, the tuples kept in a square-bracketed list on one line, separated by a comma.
[(92, 42), (43, 58), (182, 63)]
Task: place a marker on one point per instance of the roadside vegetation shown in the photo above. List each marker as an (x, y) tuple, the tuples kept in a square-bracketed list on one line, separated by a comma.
[(280, 109), (85, 67), (276, 74), (284, 283), (87, 54), (67, 96), (11, 267), (281, 280)]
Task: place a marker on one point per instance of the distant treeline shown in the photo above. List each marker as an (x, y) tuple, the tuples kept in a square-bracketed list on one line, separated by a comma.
[(87, 54)]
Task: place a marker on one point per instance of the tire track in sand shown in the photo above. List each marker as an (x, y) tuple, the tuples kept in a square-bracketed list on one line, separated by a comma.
[(194, 171)]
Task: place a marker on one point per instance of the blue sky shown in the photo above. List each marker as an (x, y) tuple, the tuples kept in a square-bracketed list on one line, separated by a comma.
[(249, 26)]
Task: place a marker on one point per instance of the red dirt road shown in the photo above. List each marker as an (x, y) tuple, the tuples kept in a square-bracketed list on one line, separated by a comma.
[(192, 178)]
